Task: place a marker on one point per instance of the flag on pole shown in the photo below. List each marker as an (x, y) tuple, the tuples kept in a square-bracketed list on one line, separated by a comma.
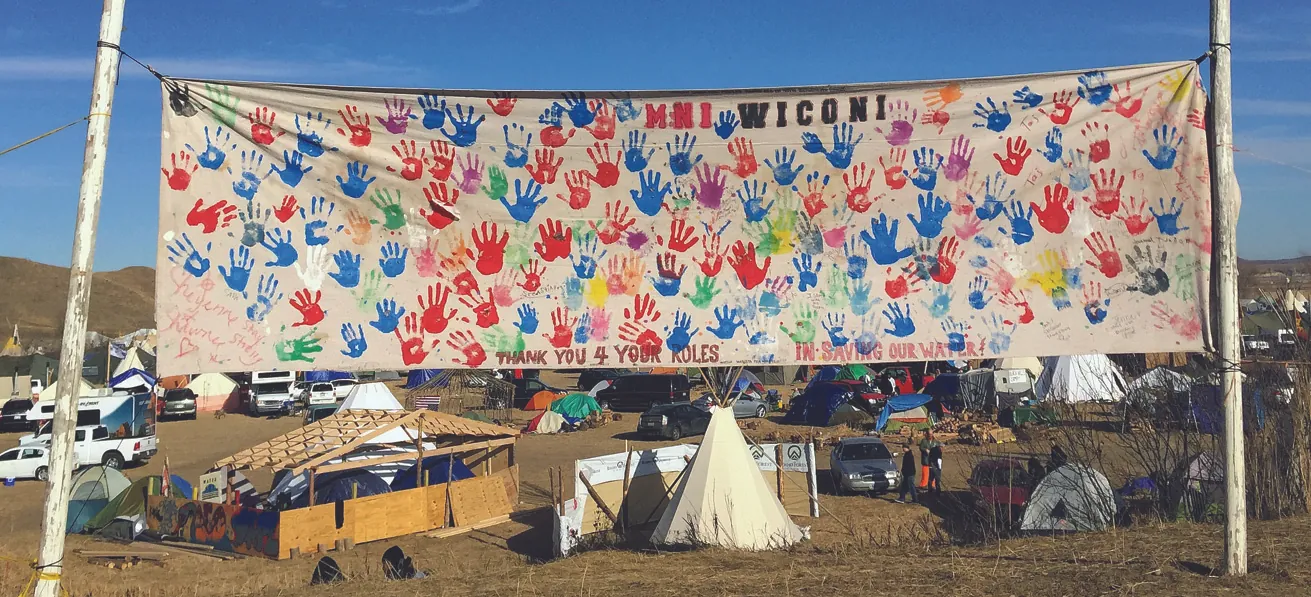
[(166, 486), (117, 351)]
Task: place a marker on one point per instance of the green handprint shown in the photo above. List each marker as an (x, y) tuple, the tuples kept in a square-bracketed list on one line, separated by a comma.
[(298, 349), (497, 186), (681, 199), (370, 291), (766, 240), (1184, 288), (804, 315), (500, 340), (390, 205), (224, 109), (519, 251), (836, 293), (705, 292)]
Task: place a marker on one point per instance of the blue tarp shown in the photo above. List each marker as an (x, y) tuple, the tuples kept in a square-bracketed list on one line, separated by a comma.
[(435, 467), (946, 384), (327, 375), (335, 487), (816, 405), (418, 377), (145, 377), (901, 403)]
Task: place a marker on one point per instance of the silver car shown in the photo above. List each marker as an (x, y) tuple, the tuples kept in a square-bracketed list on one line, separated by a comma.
[(749, 404), (863, 465)]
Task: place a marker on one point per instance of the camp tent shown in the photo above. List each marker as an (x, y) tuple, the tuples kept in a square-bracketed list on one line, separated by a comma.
[(133, 379), (817, 405), (854, 371), (905, 403), (93, 488), (418, 377), (576, 406), (1080, 378), (722, 499), (342, 486), (1157, 383), (327, 375), (435, 468), (546, 422), (853, 417), (174, 382), (83, 389), (131, 502), (1031, 364), (130, 362), (1071, 498), (215, 391), (370, 396), (541, 400), (1203, 476)]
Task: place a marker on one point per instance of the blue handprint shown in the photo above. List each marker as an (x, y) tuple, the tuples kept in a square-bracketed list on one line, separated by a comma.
[(652, 196), (1094, 87), (955, 334), (933, 211), (941, 303), (1080, 175), (759, 337), (749, 307), (1025, 98), (625, 110), (355, 342), (1095, 308), (527, 199), (584, 329), (308, 140), (843, 145), (727, 323), (434, 111), (348, 268), (994, 198), (866, 342), (680, 155), (516, 155), (856, 262), (1021, 223), (573, 293), (393, 257), (995, 119), (248, 183), (999, 340), (389, 315), (727, 124), (882, 241), (1053, 148), (807, 272), (680, 336), (900, 320), (771, 302), (528, 321), (1168, 140), (579, 113), (752, 197), (926, 169), (834, 325), (784, 173), (860, 298), (464, 128), (212, 158), (355, 184), (267, 295), (585, 259), (635, 154), (322, 208), (182, 250), (1167, 220), (553, 116), (237, 276), (979, 296), (292, 172), (278, 242)]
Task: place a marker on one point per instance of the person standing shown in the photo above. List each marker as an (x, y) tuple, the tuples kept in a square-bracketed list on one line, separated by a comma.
[(926, 443), (935, 467), (908, 478)]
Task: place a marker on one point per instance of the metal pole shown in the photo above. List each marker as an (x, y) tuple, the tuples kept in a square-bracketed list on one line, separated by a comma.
[(1225, 214), (55, 514)]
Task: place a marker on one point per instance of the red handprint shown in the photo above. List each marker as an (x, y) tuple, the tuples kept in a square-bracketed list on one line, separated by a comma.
[(180, 177), (1062, 107), (443, 156), (547, 166), (1135, 221), (580, 189), (938, 118), (1019, 301), (504, 103), (899, 286), (1108, 255), (949, 252), (441, 200), (553, 136), (744, 150), (1054, 216), (1189, 326), (1099, 142), (491, 249), (286, 210), (556, 241), (411, 163), (1017, 150), (607, 167), (1002, 279), (813, 199), (213, 217), (502, 287), (532, 277), (714, 257), (743, 260), (435, 317), (261, 126), (858, 184), (562, 328), (894, 175), (616, 222), (682, 236), (413, 344), (1125, 104), (642, 314), (361, 134), (603, 128), (484, 309), (308, 305), (1197, 118), (1106, 194), (474, 355)]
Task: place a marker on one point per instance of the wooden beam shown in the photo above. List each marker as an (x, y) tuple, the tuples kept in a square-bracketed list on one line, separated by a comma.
[(457, 449)]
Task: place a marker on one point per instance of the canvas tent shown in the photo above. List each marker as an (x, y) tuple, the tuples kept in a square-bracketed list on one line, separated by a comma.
[(546, 422), (214, 391), (370, 396), (83, 389), (576, 406), (541, 400), (418, 377), (1157, 383), (131, 361), (133, 379), (906, 403), (93, 488), (1071, 498), (131, 502), (1031, 364), (1080, 378), (722, 499)]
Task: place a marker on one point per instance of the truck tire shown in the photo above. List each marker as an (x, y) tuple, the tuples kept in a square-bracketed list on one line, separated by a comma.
[(42, 474), (113, 460)]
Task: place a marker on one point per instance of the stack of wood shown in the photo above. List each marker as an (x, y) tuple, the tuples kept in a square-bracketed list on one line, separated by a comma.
[(122, 560), (984, 432)]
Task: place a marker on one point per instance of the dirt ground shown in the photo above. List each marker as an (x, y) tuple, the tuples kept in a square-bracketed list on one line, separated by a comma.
[(860, 545)]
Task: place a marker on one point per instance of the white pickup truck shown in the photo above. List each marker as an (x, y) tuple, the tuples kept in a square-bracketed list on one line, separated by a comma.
[(92, 445)]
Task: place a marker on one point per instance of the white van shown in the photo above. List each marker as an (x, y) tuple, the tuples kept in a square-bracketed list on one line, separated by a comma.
[(269, 390)]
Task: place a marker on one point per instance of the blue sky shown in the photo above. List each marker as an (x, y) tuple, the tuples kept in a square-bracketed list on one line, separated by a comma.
[(47, 48)]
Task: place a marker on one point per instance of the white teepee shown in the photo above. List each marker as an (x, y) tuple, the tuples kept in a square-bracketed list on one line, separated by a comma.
[(1080, 378), (723, 500)]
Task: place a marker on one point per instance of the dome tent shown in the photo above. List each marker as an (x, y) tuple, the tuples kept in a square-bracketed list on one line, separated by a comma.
[(817, 405), (1071, 498), (1080, 378), (131, 502), (92, 489), (435, 468), (576, 406), (548, 421), (341, 486), (541, 400)]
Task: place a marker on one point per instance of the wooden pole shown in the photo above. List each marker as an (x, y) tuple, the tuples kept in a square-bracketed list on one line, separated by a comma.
[(1225, 228), (778, 469), (550, 473), (77, 307), (419, 480), (311, 471), (628, 465)]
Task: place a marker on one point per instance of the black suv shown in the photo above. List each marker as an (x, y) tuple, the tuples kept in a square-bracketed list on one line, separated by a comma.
[(673, 421), (588, 378), (13, 416), (639, 392)]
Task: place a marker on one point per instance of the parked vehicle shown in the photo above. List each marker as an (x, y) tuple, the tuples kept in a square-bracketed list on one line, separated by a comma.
[(341, 388), (94, 444), (300, 391), (1252, 344), (269, 391), (319, 411), (748, 404), (525, 388), (116, 429), (673, 421), (588, 378), (639, 392), (25, 462), (863, 465), (179, 402), (1002, 486), (321, 393), (13, 415)]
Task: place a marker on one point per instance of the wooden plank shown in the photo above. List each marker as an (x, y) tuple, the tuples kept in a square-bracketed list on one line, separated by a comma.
[(456, 449), (478, 499), (142, 554), (451, 532)]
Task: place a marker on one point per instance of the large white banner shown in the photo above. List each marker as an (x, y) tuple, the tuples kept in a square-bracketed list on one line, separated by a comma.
[(307, 227)]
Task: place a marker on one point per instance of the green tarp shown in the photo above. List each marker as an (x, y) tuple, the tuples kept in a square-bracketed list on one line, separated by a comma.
[(576, 406), (854, 371), (128, 503)]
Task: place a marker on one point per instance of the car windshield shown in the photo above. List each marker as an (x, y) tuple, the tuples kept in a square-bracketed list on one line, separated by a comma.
[(273, 388), (865, 451)]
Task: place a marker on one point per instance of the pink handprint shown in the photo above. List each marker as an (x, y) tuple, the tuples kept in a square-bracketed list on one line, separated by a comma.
[(399, 116), (902, 116), (471, 173)]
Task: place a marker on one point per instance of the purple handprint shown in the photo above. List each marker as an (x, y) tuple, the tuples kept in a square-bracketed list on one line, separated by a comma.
[(399, 116), (709, 191), (958, 163), (471, 173), (903, 118)]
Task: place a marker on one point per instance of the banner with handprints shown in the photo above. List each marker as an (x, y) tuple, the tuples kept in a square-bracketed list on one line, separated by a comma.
[(312, 227)]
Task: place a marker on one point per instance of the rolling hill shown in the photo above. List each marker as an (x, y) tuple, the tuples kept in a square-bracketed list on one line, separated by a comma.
[(32, 295)]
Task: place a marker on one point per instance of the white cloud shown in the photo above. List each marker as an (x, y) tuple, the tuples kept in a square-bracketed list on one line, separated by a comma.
[(449, 9), (1261, 107)]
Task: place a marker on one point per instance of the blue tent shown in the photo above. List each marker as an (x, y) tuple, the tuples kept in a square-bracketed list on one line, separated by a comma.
[(901, 403), (816, 405), (418, 377), (132, 378), (327, 375), (1208, 409), (335, 487), (435, 468)]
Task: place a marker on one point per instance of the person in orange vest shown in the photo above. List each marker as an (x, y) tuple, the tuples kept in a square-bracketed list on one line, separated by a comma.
[(926, 444)]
